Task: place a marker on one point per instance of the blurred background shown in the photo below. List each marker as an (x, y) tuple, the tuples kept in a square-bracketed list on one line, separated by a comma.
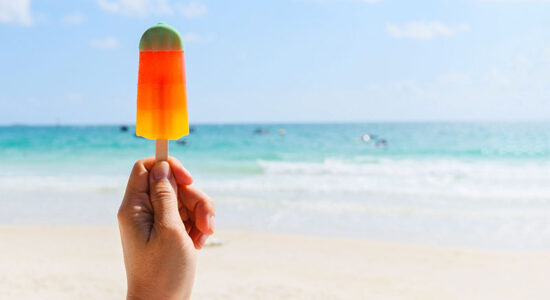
[(414, 122)]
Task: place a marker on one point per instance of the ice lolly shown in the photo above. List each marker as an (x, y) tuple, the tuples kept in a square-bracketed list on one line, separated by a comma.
[(161, 94)]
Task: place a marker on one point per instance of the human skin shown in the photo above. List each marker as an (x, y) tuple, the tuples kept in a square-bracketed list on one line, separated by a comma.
[(163, 220)]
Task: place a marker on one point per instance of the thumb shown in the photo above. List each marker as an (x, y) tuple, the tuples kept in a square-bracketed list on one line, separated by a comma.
[(162, 191)]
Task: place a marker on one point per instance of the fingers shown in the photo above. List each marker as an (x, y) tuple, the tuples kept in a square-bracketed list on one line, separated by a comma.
[(160, 183), (137, 190), (139, 177), (201, 207), (196, 206), (198, 237), (162, 191), (183, 177), (135, 212)]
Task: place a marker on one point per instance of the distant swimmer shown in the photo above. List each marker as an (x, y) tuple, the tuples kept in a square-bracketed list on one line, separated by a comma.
[(260, 131), (124, 128), (382, 143), (181, 142), (282, 131), (192, 129), (366, 137)]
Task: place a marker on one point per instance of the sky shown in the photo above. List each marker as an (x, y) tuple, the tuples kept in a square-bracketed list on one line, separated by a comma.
[(75, 62)]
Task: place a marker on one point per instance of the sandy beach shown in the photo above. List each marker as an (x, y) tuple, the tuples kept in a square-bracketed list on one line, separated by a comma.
[(72, 262)]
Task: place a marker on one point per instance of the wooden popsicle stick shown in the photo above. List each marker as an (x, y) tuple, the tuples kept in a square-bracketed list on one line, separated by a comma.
[(161, 150)]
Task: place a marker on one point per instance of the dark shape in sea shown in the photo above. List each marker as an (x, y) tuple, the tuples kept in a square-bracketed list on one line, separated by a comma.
[(181, 142), (260, 131), (192, 129), (368, 137), (382, 143), (124, 128)]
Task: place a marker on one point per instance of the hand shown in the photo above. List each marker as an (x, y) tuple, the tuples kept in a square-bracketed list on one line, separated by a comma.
[(162, 220)]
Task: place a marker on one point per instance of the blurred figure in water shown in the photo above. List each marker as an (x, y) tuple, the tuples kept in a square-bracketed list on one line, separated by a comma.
[(381, 143), (260, 130)]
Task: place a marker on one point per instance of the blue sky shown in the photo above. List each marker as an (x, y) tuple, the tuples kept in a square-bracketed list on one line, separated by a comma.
[(281, 61)]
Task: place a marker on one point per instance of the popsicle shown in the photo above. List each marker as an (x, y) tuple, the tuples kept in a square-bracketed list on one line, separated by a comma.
[(161, 94)]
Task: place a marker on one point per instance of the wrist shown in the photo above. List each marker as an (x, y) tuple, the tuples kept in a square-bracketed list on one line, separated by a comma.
[(141, 295)]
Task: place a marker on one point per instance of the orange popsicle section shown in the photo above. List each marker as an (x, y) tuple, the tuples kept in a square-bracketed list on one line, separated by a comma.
[(161, 96)]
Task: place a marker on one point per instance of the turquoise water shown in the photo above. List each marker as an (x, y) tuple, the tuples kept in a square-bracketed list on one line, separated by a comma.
[(485, 185), (237, 143)]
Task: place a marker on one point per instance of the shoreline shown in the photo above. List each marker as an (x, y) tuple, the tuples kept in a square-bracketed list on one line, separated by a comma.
[(85, 262)]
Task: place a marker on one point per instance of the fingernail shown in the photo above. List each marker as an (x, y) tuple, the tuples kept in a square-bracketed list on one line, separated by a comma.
[(161, 170), (211, 222), (202, 240)]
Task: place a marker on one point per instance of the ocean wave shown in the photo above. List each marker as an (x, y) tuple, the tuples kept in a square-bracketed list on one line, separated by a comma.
[(473, 202), (62, 183), (373, 165), (420, 171), (439, 181), (446, 181)]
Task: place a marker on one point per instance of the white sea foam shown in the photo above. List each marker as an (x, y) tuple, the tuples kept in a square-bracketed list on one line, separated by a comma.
[(383, 179), (480, 203), (62, 183), (491, 204), (444, 179)]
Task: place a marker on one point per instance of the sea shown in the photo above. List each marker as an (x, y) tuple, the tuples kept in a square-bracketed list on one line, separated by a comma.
[(480, 185)]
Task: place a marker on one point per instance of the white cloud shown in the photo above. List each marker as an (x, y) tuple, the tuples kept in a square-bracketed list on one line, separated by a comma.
[(546, 55), (514, 1), (139, 8), (191, 37), (508, 87), (454, 78), (74, 98), (107, 43), (16, 12), (192, 9), (337, 1), (410, 87), (496, 76), (73, 19), (423, 30), (145, 8)]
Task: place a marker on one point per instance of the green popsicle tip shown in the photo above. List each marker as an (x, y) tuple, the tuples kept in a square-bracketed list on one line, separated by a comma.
[(161, 37)]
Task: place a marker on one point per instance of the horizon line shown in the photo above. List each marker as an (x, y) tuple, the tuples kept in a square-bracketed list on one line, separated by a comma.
[(15, 124)]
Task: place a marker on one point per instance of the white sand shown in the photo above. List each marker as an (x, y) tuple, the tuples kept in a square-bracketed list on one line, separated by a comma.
[(86, 263)]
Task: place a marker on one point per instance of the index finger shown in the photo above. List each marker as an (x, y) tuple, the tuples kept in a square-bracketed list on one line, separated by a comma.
[(183, 177), (139, 177), (201, 207)]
